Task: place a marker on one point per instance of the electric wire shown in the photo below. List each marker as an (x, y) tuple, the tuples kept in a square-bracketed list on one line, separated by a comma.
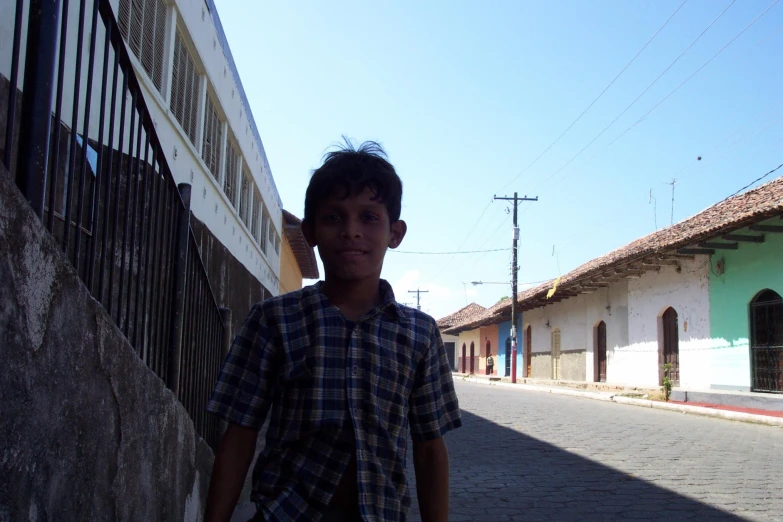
[(447, 253), (757, 180), (596, 98), (688, 48), (633, 125)]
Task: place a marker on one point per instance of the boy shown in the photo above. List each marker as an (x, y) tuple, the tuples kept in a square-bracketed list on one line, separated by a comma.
[(343, 370), (490, 364)]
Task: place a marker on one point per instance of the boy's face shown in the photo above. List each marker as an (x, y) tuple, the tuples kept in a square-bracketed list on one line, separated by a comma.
[(352, 235)]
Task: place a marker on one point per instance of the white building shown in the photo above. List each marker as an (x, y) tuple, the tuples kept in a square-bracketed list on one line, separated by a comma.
[(193, 92)]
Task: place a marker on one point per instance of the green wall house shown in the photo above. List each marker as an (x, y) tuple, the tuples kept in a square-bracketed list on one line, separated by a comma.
[(746, 314)]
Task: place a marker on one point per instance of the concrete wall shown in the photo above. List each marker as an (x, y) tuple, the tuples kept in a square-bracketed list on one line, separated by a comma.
[(687, 291), (488, 335), (465, 338), (455, 353), (749, 270), (88, 431)]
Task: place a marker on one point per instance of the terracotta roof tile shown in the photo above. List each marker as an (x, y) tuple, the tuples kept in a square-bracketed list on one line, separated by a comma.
[(729, 215), (469, 312), (304, 254)]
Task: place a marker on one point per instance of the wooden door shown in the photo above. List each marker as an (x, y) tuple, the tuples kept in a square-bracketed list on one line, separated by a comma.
[(671, 344), (472, 355), (529, 351), (464, 358), (601, 352), (556, 354), (488, 353)]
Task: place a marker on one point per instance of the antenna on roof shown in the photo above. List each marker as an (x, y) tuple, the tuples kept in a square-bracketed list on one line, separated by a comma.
[(674, 182), (654, 201)]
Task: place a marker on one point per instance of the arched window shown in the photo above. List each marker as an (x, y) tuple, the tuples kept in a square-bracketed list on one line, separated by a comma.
[(669, 345), (599, 346), (766, 342)]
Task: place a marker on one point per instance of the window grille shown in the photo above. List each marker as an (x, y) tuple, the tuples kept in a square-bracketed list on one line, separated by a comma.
[(264, 230), (245, 199), (277, 244), (254, 222), (213, 138), (184, 89), (143, 25), (232, 168)]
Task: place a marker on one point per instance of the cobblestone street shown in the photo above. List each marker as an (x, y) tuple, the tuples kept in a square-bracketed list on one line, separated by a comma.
[(524, 455)]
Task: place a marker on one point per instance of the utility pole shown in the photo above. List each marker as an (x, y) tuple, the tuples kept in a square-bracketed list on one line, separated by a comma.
[(418, 296), (514, 269)]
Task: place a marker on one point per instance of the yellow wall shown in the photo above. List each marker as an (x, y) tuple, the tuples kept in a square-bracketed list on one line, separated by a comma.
[(290, 274), (470, 336)]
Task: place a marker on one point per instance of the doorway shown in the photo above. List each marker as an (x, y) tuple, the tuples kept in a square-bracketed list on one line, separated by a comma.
[(556, 374), (472, 356), (464, 358), (488, 352), (766, 342), (600, 352), (669, 345), (529, 351)]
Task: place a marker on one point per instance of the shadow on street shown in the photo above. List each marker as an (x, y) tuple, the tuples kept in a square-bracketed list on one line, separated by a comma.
[(498, 474)]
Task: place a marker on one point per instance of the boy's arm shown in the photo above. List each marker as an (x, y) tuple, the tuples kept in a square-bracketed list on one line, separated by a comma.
[(234, 455), (431, 463)]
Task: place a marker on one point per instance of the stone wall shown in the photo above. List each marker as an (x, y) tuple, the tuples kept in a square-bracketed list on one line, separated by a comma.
[(88, 431), (541, 365), (235, 287), (573, 365)]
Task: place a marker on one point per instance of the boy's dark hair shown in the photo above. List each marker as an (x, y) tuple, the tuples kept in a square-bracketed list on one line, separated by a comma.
[(347, 171)]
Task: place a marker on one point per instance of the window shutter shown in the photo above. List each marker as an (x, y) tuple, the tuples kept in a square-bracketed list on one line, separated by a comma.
[(143, 25), (254, 220), (184, 89), (232, 166), (213, 138)]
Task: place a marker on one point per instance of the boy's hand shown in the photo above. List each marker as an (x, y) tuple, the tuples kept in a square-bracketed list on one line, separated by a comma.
[(234, 455), (431, 462)]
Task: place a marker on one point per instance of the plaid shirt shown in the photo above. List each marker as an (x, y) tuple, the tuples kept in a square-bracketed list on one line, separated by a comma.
[(335, 389)]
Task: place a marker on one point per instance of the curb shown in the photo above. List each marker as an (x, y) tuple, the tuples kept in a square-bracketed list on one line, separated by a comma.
[(705, 412), (645, 403)]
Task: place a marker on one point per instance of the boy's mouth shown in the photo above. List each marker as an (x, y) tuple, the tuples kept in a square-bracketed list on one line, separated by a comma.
[(351, 253)]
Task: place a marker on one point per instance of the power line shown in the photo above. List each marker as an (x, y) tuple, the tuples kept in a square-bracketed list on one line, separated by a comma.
[(756, 180), (447, 253), (636, 99), (657, 104), (596, 98)]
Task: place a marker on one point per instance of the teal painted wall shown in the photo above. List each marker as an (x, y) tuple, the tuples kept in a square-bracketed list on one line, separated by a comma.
[(748, 270)]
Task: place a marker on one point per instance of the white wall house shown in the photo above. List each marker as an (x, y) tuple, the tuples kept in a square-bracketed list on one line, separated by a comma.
[(197, 103), (685, 295)]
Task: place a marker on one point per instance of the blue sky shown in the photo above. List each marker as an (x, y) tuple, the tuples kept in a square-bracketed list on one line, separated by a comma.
[(465, 96)]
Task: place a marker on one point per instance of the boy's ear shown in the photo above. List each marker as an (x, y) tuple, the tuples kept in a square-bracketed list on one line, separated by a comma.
[(308, 233), (398, 230)]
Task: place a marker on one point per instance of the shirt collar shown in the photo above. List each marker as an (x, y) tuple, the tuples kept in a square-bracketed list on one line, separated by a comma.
[(389, 305)]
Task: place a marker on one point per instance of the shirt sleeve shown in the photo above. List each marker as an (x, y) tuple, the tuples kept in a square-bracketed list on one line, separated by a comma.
[(245, 387), (434, 408)]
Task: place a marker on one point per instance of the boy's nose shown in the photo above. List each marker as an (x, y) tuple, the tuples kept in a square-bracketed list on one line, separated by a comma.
[(351, 230)]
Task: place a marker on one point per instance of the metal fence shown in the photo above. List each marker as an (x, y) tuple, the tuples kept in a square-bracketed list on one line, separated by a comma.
[(81, 143)]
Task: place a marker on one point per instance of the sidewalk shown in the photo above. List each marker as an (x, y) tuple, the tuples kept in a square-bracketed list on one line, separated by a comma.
[(633, 396)]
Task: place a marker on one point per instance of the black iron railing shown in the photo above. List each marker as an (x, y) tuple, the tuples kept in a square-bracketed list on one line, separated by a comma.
[(84, 151)]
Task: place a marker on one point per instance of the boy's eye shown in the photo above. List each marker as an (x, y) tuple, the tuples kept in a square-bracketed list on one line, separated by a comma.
[(370, 217), (331, 218)]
